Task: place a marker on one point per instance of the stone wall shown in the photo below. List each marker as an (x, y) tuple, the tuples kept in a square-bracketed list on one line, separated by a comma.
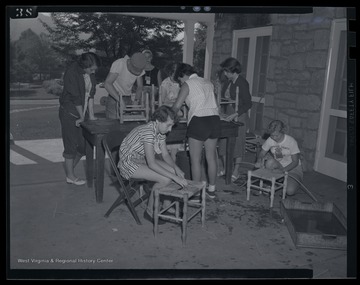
[(296, 73)]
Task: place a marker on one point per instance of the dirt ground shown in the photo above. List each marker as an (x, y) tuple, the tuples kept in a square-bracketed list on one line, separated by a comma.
[(60, 227)]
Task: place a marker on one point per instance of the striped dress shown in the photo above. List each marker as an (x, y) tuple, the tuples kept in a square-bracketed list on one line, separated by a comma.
[(201, 99), (132, 151)]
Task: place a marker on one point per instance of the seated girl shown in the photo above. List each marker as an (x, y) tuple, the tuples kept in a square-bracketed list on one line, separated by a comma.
[(137, 155), (284, 155)]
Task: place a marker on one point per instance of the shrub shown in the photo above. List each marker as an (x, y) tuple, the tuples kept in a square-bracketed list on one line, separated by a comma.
[(52, 87)]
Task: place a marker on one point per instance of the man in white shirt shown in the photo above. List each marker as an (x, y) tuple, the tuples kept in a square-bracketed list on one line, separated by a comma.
[(120, 80)]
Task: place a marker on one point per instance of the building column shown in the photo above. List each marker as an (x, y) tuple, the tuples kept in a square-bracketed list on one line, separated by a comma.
[(189, 36)]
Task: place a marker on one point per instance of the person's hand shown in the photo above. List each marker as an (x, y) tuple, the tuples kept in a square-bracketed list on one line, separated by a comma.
[(181, 181), (78, 121), (92, 118), (179, 172), (259, 164)]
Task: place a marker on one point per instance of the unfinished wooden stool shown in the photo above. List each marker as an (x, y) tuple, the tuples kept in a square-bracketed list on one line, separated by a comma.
[(257, 178), (180, 196)]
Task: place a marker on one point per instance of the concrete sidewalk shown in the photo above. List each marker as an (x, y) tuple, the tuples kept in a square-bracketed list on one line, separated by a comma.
[(54, 225)]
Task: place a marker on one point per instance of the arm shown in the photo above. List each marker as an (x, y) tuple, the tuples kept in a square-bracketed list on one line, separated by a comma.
[(167, 158), (153, 165), (91, 109), (109, 85), (139, 88), (260, 160), (183, 93), (79, 108), (295, 161), (244, 97)]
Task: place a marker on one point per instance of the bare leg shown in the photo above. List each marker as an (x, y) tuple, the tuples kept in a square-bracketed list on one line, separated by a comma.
[(211, 159), (144, 172), (195, 148), (69, 168)]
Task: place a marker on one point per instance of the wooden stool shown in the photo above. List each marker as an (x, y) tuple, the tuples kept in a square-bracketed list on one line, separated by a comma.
[(256, 181), (182, 196)]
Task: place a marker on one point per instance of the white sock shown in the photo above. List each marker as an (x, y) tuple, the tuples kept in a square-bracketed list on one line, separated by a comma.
[(211, 188)]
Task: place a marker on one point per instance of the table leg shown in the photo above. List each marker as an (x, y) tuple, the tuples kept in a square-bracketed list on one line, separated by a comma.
[(230, 146), (100, 164), (89, 149)]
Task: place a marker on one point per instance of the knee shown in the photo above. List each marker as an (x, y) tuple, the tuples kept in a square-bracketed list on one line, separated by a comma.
[(291, 188), (271, 163), (163, 182)]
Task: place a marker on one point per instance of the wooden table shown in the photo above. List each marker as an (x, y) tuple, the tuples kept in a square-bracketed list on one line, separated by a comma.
[(94, 131)]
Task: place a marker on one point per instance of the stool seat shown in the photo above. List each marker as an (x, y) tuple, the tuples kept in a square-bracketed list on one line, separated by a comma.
[(257, 178), (266, 174), (181, 196)]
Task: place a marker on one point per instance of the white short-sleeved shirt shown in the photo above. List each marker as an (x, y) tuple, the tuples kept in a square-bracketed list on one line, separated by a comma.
[(170, 91), (125, 81), (201, 99), (283, 150)]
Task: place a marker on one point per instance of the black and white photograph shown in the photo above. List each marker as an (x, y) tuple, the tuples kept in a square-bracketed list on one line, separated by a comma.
[(107, 178)]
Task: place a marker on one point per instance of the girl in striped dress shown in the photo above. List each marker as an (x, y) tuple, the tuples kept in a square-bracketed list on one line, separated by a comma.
[(203, 128), (137, 155)]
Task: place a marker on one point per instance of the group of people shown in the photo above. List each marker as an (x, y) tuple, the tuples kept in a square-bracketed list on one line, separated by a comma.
[(138, 151)]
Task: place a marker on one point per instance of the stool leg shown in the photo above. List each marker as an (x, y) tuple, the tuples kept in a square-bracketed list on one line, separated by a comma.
[(184, 219), (272, 191), (203, 200), (248, 186), (261, 184), (285, 185), (156, 212), (177, 209)]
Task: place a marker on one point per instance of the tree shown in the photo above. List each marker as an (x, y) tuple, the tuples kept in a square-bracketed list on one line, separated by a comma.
[(200, 48), (31, 55), (113, 36)]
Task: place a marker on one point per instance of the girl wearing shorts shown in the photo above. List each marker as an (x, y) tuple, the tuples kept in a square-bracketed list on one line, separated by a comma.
[(203, 128)]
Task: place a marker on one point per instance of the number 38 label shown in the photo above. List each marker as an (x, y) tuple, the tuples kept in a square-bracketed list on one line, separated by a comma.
[(23, 12)]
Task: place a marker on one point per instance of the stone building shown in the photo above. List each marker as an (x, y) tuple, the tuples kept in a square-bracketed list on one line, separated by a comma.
[(296, 67)]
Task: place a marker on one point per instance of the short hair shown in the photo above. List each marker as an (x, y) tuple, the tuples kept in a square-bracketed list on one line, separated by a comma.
[(162, 113), (88, 59), (170, 68), (232, 65), (183, 69), (276, 125)]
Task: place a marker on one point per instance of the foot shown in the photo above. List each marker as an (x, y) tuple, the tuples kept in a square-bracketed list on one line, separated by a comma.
[(151, 220), (77, 181), (210, 194)]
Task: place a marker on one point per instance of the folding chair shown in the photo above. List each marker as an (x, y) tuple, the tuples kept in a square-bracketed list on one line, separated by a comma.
[(112, 141)]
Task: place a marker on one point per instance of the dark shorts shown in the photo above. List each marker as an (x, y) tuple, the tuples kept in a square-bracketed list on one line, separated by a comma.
[(73, 140), (203, 128)]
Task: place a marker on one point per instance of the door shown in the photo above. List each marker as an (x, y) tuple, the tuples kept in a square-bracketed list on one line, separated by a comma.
[(331, 150), (251, 47)]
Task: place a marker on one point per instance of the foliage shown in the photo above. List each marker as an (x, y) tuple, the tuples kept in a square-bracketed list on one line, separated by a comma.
[(52, 87), (113, 36), (31, 55)]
